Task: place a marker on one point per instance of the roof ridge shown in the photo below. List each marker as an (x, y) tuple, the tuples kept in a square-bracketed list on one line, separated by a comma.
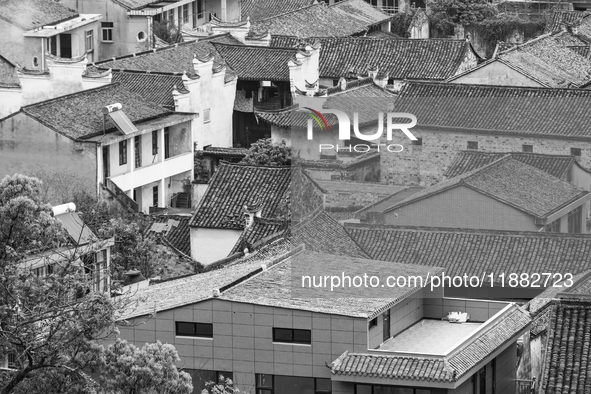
[(466, 86), (79, 93), (253, 46), (451, 230), (290, 12)]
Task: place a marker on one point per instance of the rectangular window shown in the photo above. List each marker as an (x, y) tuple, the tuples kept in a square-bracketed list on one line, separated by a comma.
[(89, 40), (137, 143), (373, 322), (207, 115), (155, 196), (201, 330), (527, 148), (264, 383), (386, 325), (472, 144), (574, 221), (155, 142), (418, 142), (553, 227), (123, 152), (322, 386), (375, 389), (106, 162), (290, 335), (179, 12), (107, 31), (166, 143), (575, 151), (50, 269), (185, 13)]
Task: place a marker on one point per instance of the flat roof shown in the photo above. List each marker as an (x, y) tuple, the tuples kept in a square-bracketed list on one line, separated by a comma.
[(430, 336)]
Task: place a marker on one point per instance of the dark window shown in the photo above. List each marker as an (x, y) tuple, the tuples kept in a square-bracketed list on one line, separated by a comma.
[(12, 360), (106, 162), (166, 143), (155, 142), (482, 381), (472, 144), (264, 383), (527, 148), (323, 386), (290, 335), (418, 142), (137, 142), (122, 152), (185, 13), (155, 196), (574, 221), (386, 325), (373, 322), (575, 151), (50, 269), (65, 45), (107, 31), (202, 330), (553, 227), (367, 389)]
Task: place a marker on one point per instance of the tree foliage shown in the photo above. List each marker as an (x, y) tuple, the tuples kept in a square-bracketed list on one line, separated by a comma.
[(223, 386), (445, 14), (266, 152), (53, 325)]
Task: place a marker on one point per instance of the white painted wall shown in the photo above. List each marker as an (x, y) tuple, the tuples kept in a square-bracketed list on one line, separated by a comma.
[(209, 245)]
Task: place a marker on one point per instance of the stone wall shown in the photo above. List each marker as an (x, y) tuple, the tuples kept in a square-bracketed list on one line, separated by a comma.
[(425, 164)]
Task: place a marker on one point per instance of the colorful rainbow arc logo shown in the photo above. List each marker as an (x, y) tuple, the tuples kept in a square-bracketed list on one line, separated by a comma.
[(317, 116)]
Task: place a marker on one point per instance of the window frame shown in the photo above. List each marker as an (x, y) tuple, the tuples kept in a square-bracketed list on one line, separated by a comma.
[(292, 340), (155, 196), (418, 142), (185, 13), (470, 145), (196, 334), (123, 152), (89, 44), (105, 28), (207, 115), (577, 152), (574, 221), (527, 148), (154, 142), (166, 143), (137, 146)]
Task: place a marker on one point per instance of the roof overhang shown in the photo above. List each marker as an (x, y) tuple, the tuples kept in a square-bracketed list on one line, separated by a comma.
[(565, 209), (144, 128), (157, 8), (54, 30)]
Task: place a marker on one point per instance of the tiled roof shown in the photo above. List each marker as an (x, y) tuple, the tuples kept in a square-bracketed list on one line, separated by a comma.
[(263, 9), (135, 4), (80, 115), (234, 185), (258, 231), (284, 192), (548, 60), (395, 198), (174, 229), (199, 287), (255, 63), (446, 369), (224, 152), (374, 100), (429, 59), (273, 287), (560, 18), (8, 77), (529, 111), (568, 351), (176, 58), (30, 14), (473, 252), (512, 182), (319, 20), (321, 233), (555, 165), (153, 87)]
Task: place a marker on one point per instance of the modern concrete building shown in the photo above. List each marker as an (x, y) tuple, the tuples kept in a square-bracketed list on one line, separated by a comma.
[(250, 321)]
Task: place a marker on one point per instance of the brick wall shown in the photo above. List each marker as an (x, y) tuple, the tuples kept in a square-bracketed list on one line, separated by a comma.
[(425, 165)]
